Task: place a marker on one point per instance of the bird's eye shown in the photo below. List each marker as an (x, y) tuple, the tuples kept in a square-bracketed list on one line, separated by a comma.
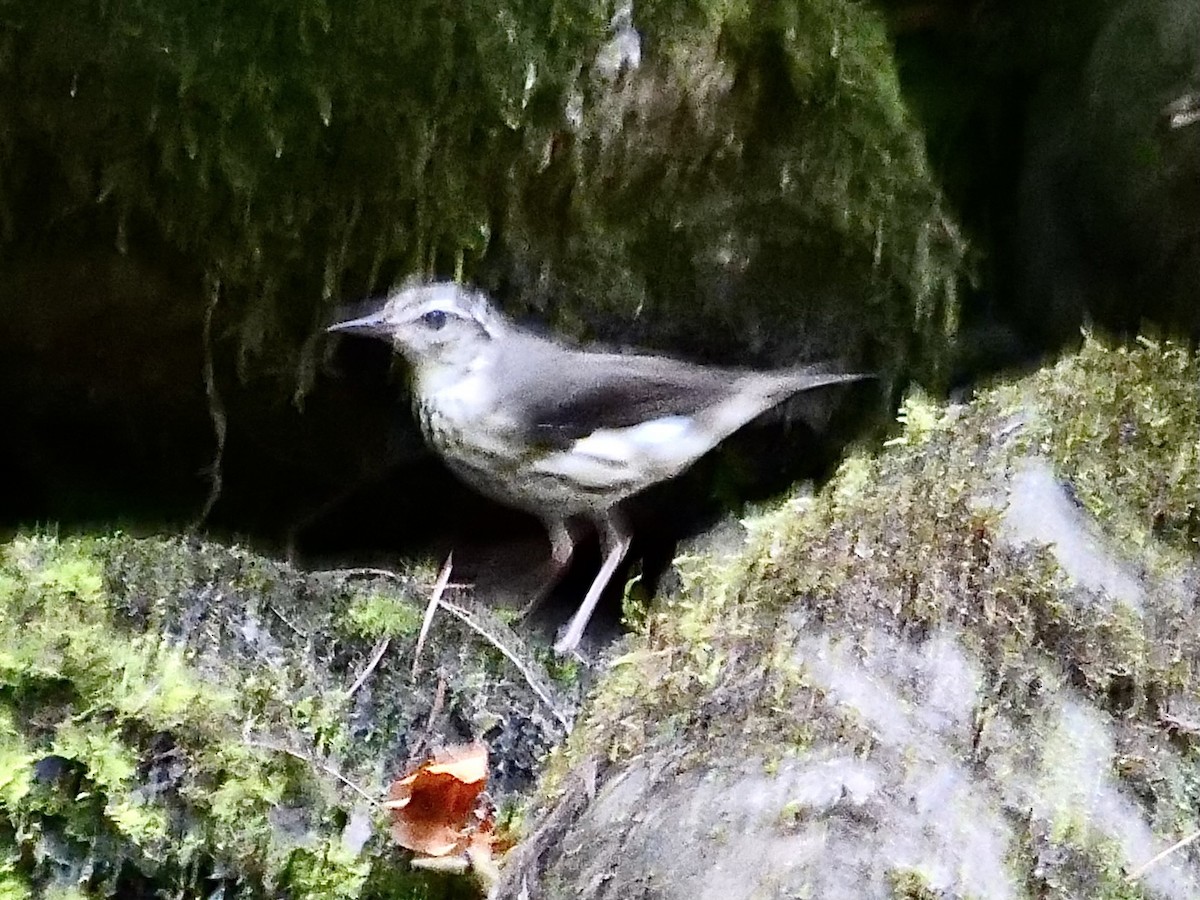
[(435, 318)]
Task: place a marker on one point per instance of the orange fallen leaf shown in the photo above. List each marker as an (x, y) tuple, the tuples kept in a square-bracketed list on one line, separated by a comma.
[(437, 809)]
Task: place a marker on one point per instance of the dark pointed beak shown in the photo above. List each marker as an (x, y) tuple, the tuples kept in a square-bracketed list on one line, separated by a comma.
[(373, 324)]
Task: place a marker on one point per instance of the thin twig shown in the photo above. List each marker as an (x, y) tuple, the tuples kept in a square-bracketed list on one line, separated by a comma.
[(284, 619), (1154, 860), (325, 767), (216, 410), (373, 572), (533, 682), (439, 699), (380, 649), (369, 572), (439, 588)]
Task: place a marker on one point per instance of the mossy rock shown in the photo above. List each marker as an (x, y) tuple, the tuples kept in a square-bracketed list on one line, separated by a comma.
[(756, 177), (965, 668), (181, 717)]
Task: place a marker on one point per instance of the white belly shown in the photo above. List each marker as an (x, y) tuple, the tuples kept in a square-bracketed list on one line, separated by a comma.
[(482, 443)]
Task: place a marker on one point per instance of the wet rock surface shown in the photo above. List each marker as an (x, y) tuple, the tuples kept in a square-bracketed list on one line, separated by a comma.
[(947, 675)]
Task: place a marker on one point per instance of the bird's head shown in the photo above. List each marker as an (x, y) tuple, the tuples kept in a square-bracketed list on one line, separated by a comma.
[(435, 326)]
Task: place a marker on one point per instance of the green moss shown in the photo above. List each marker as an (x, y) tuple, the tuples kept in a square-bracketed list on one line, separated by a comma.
[(16, 762), (328, 871), (921, 418), (174, 718), (565, 671), (12, 887), (321, 718), (240, 788), (793, 810), (60, 892), (910, 884), (108, 765), (383, 615), (284, 152), (1123, 423), (65, 638), (1095, 867), (779, 119), (69, 579)]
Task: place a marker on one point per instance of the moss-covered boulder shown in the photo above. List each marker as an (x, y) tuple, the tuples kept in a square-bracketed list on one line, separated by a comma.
[(741, 168), (182, 718), (187, 191), (966, 668)]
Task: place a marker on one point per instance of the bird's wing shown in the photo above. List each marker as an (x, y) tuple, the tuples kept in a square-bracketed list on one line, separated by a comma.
[(556, 396)]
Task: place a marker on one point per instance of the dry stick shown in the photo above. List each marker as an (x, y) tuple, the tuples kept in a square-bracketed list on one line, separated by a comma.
[(439, 699), (369, 572), (458, 612), (372, 572), (284, 619), (328, 769), (216, 410), (465, 617), (1153, 861), (439, 588), (380, 649)]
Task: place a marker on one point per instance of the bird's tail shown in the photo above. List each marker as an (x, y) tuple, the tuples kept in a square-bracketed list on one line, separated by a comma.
[(758, 392)]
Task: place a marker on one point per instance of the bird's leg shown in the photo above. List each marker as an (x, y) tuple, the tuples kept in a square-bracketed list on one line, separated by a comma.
[(562, 548), (614, 539)]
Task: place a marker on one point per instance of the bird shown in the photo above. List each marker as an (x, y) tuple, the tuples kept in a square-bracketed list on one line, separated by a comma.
[(562, 432)]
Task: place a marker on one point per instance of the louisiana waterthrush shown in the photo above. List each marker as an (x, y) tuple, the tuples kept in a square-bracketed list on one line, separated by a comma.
[(558, 431)]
